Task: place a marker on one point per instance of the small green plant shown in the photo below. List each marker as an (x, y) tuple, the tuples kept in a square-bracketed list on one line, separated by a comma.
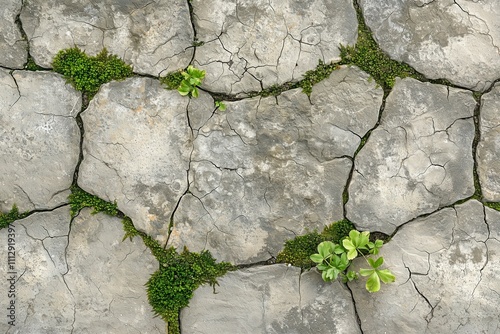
[(333, 260), (493, 205), (11, 216), (172, 80), (220, 105), (79, 199), (186, 82), (87, 73)]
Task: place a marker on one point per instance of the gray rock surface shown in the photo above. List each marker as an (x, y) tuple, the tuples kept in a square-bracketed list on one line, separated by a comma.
[(268, 168), (488, 149), (254, 44), (13, 49), (446, 268), (78, 278), (39, 139), (454, 39), (417, 160), (270, 299), (137, 141), (153, 36)]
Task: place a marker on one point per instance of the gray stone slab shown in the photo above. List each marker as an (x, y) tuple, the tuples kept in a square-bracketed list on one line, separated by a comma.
[(446, 268), (488, 148), (79, 278), (13, 49), (417, 160), (454, 39), (39, 139), (137, 143), (153, 36), (268, 168), (254, 44), (270, 299)]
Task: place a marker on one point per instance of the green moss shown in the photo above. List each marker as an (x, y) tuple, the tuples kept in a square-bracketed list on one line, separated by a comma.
[(87, 73), (368, 56), (129, 228), (297, 251), (31, 65), (492, 205), (11, 216), (172, 80), (312, 77), (79, 199)]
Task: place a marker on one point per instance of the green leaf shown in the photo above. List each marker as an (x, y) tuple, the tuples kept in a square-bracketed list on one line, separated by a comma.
[(352, 275), (317, 258), (386, 276), (338, 249), (373, 283), (194, 92), (377, 263), (363, 240), (325, 249), (366, 272)]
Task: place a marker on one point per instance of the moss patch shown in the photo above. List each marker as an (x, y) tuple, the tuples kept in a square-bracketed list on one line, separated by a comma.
[(172, 80), (368, 56), (79, 199), (87, 73), (11, 216), (495, 206)]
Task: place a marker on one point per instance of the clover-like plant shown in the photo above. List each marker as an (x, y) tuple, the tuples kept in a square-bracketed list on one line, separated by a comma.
[(333, 260), (192, 79)]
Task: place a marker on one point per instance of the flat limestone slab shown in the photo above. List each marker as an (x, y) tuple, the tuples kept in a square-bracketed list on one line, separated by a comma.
[(152, 36), (457, 40), (418, 159), (77, 277), (253, 44), (446, 267), (39, 139), (270, 299), (488, 149), (13, 49)]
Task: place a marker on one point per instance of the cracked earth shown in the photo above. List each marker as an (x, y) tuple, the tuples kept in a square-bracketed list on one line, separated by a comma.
[(418, 163)]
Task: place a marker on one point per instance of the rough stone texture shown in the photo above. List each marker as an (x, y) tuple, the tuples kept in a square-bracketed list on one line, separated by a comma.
[(39, 139), (488, 149), (154, 36), (446, 268), (254, 44), (268, 168), (454, 39), (270, 299), (13, 49), (137, 142), (417, 160), (80, 279)]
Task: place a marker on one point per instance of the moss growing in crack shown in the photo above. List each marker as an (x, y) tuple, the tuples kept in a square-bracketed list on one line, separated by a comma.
[(88, 73), (312, 77), (31, 65), (368, 56), (79, 199), (297, 251), (129, 229), (172, 80), (493, 205), (11, 216)]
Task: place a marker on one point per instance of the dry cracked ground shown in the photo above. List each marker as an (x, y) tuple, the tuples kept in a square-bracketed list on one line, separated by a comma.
[(417, 163)]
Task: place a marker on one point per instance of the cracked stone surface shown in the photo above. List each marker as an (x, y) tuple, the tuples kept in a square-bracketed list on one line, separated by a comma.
[(488, 149), (13, 49), (78, 279), (137, 141), (39, 139), (269, 168), (418, 160), (447, 267), (458, 40), (253, 44), (153, 36), (282, 300)]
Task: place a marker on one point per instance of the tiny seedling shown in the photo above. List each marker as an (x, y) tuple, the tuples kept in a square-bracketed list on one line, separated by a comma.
[(220, 105), (333, 260), (192, 79)]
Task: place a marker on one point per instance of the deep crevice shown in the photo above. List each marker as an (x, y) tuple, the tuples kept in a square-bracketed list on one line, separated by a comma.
[(358, 319)]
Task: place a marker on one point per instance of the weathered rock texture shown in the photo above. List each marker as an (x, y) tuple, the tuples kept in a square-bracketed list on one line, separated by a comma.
[(454, 39), (270, 168), (270, 299), (253, 44), (13, 49), (488, 149), (154, 36), (417, 160), (79, 279), (39, 139), (447, 268), (137, 142)]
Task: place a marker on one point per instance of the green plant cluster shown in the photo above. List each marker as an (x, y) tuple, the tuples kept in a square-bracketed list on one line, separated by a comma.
[(493, 205), (172, 80), (312, 77), (11, 216), (334, 259), (368, 56), (79, 199), (171, 287), (297, 251), (31, 65), (88, 73), (186, 82)]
